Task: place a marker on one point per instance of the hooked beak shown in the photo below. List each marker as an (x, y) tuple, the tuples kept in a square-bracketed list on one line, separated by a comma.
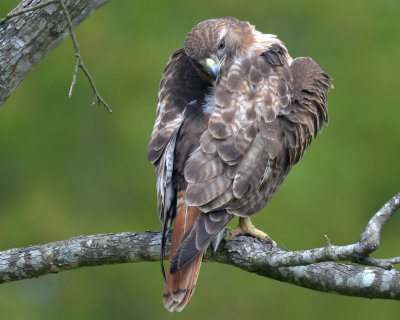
[(212, 67)]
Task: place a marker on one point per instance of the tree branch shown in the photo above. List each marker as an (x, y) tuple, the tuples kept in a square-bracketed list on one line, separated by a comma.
[(28, 33), (303, 268), (22, 11)]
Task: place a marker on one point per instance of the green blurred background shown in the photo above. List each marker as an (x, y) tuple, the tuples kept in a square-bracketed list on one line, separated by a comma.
[(67, 168)]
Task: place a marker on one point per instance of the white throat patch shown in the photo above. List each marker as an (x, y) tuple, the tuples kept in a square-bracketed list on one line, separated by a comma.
[(209, 105)]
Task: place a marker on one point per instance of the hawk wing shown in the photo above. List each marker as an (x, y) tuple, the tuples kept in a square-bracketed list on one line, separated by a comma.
[(180, 86), (266, 113)]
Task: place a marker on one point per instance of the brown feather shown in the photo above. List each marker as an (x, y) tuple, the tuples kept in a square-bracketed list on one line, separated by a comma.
[(179, 86), (198, 237), (223, 145), (179, 287)]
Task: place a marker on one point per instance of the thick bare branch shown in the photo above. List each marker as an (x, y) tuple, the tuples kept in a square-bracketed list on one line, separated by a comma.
[(244, 252), (95, 250), (26, 36), (346, 279)]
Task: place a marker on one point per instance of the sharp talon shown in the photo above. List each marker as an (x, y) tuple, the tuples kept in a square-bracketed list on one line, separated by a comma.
[(246, 227), (230, 234)]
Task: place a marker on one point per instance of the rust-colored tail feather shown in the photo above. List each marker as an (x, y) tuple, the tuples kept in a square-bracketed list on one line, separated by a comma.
[(180, 286)]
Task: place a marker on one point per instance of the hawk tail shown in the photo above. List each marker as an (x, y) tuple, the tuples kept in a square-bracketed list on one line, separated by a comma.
[(197, 238), (180, 286), (192, 233)]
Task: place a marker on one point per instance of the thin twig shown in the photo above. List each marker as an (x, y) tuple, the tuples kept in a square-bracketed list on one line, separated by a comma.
[(79, 64), (22, 11), (395, 260), (97, 98), (380, 263), (328, 242), (74, 76)]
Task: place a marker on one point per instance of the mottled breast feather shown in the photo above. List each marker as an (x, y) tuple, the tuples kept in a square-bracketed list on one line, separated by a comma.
[(266, 112)]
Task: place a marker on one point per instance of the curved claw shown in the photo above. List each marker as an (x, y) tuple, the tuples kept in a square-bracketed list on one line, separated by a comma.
[(246, 227)]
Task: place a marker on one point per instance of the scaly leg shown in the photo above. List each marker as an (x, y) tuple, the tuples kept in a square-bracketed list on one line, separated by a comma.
[(246, 227)]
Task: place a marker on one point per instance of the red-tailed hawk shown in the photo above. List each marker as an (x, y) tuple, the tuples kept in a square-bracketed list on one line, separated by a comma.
[(235, 113)]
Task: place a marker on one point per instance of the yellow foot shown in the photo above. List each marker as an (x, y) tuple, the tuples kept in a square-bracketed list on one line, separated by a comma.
[(246, 227)]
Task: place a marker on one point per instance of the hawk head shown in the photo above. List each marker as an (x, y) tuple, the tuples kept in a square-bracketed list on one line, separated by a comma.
[(210, 43)]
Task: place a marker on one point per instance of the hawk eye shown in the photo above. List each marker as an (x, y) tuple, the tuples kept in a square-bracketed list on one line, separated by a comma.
[(221, 45)]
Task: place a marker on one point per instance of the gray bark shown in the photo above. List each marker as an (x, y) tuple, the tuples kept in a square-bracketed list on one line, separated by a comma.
[(27, 38), (303, 268), (244, 252)]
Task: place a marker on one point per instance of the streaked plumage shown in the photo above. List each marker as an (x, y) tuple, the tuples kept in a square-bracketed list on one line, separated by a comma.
[(235, 113)]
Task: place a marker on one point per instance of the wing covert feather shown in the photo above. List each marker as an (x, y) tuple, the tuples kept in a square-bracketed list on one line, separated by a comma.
[(266, 114)]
